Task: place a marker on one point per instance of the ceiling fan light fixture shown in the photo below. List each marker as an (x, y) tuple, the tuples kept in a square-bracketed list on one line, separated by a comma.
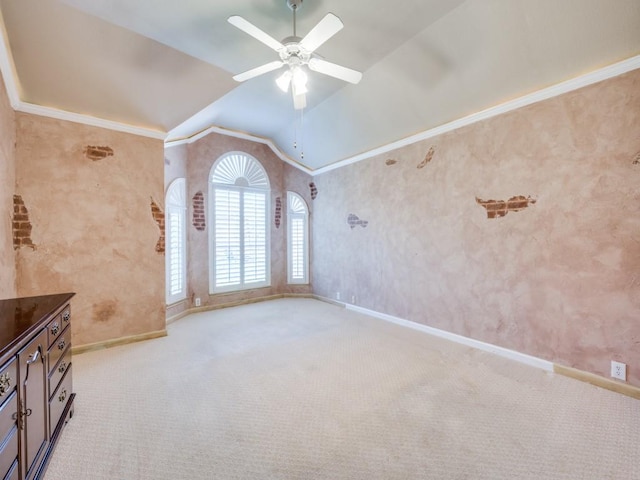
[(284, 80), (295, 53), (299, 81)]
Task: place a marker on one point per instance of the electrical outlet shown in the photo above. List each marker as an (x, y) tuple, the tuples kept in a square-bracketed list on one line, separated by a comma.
[(619, 370), (198, 302), (353, 299), (337, 295)]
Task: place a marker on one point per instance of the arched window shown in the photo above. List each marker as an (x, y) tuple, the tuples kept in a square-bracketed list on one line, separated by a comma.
[(239, 237), (297, 239), (176, 241)]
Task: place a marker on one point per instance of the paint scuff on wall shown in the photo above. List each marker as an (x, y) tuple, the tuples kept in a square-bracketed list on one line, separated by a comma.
[(97, 153), (353, 221), (390, 162), (499, 208), (427, 158), (104, 311)]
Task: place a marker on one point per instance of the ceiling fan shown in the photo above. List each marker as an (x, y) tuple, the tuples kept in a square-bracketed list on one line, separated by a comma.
[(295, 53)]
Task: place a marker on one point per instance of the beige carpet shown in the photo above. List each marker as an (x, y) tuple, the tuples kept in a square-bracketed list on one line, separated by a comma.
[(301, 389)]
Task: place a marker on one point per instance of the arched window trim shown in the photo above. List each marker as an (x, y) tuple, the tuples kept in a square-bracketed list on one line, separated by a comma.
[(297, 239), (239, 183), (176, 241)]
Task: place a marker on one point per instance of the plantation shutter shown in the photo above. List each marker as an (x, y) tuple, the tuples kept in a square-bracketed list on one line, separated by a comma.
[(297, 248), (176, 241), (255, 237), (240, 234), (227, 234), (297, 239), (176, 251)]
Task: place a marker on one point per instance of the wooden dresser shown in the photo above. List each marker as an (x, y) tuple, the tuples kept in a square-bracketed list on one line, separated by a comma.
[(36, 398)]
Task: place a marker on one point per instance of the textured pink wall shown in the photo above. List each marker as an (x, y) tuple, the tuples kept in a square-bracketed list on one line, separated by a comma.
[(175, 164), (202, 154), (92, 225), (7, 181), (558, 279)]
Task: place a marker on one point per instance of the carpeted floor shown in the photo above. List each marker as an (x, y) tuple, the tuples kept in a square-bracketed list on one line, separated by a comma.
[(301, 389)]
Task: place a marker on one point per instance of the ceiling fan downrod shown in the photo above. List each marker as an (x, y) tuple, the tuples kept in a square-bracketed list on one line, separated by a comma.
[(294, 5)]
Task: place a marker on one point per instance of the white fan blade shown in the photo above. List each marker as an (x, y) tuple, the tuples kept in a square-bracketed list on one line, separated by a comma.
[(299, 101), (269, 67), (334, 70), (255, 32), (323, 31)]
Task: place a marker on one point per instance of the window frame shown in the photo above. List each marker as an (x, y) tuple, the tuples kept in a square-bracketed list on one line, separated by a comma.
[(295, 202), (234, 166), (176, 203)]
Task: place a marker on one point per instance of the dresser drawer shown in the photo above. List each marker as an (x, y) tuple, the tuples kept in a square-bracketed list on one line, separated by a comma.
[(8, 380), (59, 400), (59, 347), (58, 324), (8, 413), (8, 452), (59, 370), (54, 329)]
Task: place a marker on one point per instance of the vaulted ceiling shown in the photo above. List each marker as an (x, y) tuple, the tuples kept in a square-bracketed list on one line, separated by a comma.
[(168, 66)]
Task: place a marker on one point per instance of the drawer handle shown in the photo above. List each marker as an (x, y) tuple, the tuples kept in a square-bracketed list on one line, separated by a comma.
[(5, 383), (62, 367), (63, 396), (61, 345), (66, 316), (55, 328), (34, 356)]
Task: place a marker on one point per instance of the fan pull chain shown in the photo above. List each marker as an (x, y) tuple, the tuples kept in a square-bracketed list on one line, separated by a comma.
[(302, 134), (295, 133), (299, 128)]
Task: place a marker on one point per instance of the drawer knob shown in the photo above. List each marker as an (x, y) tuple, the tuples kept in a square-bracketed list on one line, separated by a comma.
[(61, 345), (63, 396), (62, 367), (5, 384), (66, 316), (55, 328)]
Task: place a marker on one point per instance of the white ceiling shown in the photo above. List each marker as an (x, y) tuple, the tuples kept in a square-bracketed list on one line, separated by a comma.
[(168, 65)]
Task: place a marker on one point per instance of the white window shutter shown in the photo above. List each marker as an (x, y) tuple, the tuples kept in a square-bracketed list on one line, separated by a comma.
[(176, 241), (239, 240), (227, 234), (297, 239)]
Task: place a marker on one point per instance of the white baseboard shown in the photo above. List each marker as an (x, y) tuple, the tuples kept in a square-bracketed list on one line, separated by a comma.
[(454, 337), (237, 303)]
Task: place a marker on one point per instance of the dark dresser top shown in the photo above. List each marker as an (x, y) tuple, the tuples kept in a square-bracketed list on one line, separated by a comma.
[(19, 317)]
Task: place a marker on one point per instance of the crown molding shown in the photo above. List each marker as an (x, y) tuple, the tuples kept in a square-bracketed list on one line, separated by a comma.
[(10, 77), (89, 120), (7, 68), (244, 136), (605, 73)]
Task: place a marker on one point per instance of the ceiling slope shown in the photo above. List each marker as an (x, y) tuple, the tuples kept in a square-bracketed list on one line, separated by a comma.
[(167, 66)]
